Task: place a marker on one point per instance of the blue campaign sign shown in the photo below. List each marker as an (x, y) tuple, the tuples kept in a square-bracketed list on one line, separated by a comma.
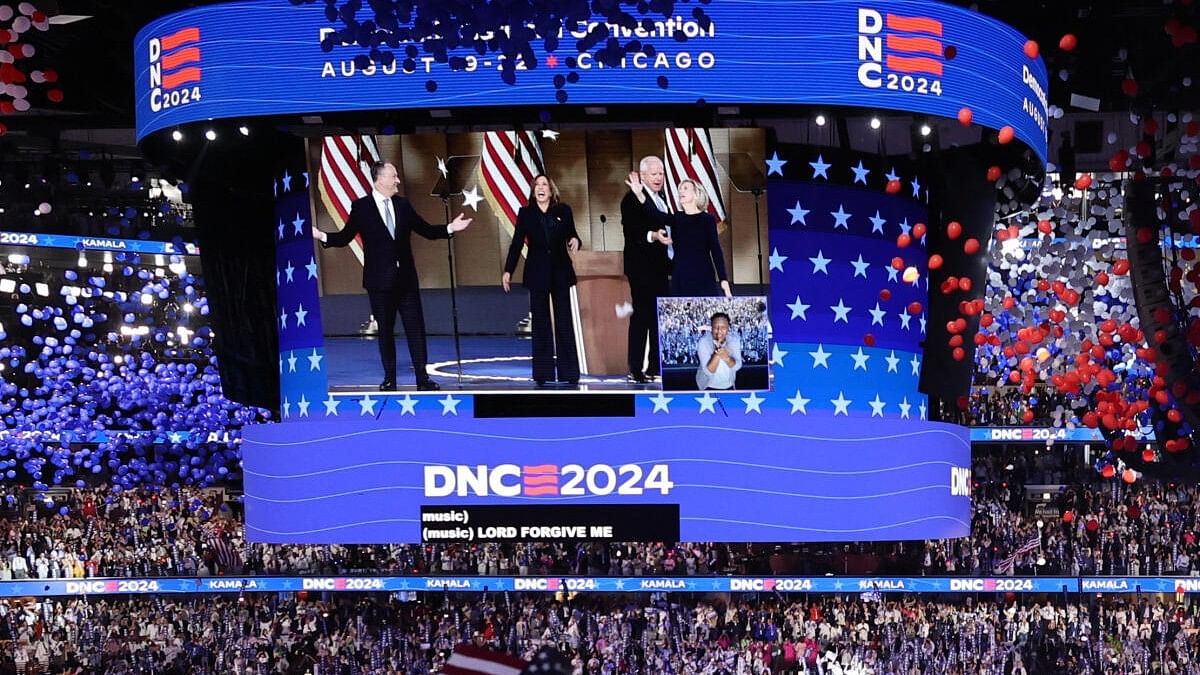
[(1044, 434), (753, 475), (43, 240), (264, 57), (547, 584)]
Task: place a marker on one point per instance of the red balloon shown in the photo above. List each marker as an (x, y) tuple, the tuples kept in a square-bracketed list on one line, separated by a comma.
[(1129, 476), (885, 295), (55, 95), (1120, 267), (1006, 135), (959, 353), (964, 283), (1068, 42), (1083, 182), (1148, 455), (903, 240), (935, 260), (914, 308), (971, 246), (1129, 87), (1150, 126), (954, 229), (1031, 49), (898, 263), (893, 186), (993, 173), (1174, 415), (1108, 472), (1102, 278), (1027, 416), (869, 340), (965, 116), (1045, 226), (1068, 517), (918, 230)]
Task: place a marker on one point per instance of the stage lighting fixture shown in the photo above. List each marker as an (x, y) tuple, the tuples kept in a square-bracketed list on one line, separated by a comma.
[(820, 120), (210, 134), (82, 262), (177, 135), (18, 259), (188, 308), (595, 110), (8, 285), (135, 178), (875, 123), (926, 130), (244, 130)]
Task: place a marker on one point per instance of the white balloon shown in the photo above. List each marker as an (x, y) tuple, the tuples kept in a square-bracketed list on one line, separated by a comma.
[(21, 24), (21, 104), (26, 8), (6, 12), (44, 208)]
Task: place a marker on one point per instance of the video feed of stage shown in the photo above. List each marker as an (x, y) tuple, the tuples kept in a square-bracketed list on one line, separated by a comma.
[(569, 248)]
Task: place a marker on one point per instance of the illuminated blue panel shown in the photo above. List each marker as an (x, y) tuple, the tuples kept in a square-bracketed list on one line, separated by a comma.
[(264, 58), (737, 473)]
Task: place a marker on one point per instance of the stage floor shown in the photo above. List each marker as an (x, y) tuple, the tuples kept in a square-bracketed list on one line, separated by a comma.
[(491, 364)]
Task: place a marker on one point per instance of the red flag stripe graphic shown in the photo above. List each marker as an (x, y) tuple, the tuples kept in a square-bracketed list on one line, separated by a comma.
[(914, 64), (173, 61), (914, 24), (173, 80), (922, 45), (180, 38)]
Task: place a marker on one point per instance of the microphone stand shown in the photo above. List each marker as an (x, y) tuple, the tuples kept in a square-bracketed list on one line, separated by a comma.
[(445, 197)]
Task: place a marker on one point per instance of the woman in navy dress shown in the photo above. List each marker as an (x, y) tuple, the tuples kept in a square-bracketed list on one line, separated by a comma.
[(547, 227), (697, 263)]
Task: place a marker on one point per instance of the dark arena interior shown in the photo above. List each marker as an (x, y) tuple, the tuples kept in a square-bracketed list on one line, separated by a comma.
[(592, 337)]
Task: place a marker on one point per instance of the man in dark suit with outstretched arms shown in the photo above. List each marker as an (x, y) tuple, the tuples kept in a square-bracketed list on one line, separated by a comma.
[(386, 223), (646, 267)]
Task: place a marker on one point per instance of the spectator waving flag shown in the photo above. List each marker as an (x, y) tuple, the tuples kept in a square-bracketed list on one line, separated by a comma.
[(511, 159), (471, 660), (689, 154), (345, 176), (1032, 544)]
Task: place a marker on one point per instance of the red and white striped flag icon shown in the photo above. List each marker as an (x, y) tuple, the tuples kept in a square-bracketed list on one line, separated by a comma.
[(344, 176), (472, 660)]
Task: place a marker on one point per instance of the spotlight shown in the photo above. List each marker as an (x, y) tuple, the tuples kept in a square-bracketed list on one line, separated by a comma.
[(210, 134), (82, 262), (925, 130), (875, 123), (135, 179), (244, 130), (188, 308), (177, 135), (820, 120)]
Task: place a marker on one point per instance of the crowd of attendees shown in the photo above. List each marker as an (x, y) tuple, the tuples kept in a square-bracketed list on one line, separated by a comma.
[(1081, 525), (993, 406), (744, 634), (682, 321)]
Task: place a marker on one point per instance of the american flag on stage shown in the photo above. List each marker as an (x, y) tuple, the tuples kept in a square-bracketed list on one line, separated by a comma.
[(1032, 544), (689, 154), (511, 159), (472, 660), (344, 176)]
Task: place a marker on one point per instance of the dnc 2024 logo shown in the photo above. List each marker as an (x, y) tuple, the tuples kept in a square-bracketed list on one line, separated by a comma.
[(175, 69), (900, 53)]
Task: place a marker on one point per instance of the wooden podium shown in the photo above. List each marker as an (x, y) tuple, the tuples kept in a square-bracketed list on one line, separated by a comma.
[(602, 337)]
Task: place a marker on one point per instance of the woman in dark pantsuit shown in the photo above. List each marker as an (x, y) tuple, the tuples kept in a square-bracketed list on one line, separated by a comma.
[(697, 263), (547, 227)]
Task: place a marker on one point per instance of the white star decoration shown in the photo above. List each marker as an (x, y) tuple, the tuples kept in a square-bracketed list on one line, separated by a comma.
[(441, 167), (777, 355), (905, 406), (303, 404), (331, 406), (916, 365), (892, 362), (841, 404), (860, 173), (449, 405), (753, 403), (840, 218), (366, 405), (820, 263), (799, 309), (706, 403), (662, 403), (876, 406), (775, 165), (820, 357), (877, 315), (860, 359), (775, 260), (877, 223), (550, 134), (408, 405), (292, 362), (841, 312), (314, 360), (312, 268), (799, 403), (798, 213), (287, 271), (471, 198), (300, 314), (820, 168), (860, 266)]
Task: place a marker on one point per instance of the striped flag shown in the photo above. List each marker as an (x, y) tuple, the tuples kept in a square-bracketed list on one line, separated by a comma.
[(511, 159), (1032, 544), (472, 660), (344, 176), (689, 154), (228, 558)]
